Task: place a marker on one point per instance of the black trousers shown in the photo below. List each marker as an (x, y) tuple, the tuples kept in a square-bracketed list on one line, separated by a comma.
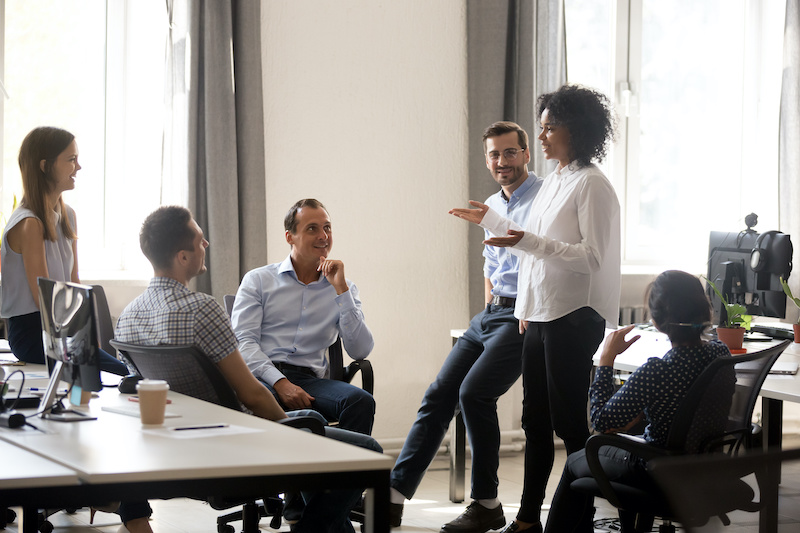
[(556, 366)]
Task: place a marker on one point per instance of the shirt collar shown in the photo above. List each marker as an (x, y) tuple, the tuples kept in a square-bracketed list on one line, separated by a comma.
[(160, 282), (287, 267)]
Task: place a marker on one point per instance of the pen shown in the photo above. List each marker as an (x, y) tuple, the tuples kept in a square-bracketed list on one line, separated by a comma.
[(210, 426)]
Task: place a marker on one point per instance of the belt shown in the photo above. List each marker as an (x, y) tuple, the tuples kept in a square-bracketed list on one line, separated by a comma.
[(287, 366), (502, 301)]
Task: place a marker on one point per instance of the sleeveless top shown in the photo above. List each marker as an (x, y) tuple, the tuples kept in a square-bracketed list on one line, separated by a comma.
[(16, 293)]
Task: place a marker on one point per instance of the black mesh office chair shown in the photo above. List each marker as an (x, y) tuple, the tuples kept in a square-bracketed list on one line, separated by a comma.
[(335, 360), (715, 415), (170, 363), (714, 475)]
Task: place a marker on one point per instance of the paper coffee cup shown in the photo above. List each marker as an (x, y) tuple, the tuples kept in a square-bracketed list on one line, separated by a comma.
[(152, 401)]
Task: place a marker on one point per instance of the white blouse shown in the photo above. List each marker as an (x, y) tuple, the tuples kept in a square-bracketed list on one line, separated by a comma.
[(570, 253)]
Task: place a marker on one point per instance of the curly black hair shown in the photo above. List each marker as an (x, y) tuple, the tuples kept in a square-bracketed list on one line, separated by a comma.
[(589, 117)]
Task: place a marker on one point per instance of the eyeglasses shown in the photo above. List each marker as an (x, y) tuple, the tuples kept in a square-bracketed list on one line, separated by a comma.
[(509, 153)]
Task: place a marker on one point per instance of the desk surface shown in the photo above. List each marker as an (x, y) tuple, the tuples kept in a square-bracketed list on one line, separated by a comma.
[(22, 469), (115, 447)]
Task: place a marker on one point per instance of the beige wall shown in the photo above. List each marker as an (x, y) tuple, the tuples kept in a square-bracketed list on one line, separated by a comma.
[(365, 110)]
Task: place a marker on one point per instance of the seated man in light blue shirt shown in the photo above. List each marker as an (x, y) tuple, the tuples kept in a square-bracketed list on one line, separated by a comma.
[(287, 314)]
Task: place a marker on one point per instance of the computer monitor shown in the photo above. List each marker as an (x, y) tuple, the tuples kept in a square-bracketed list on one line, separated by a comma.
[(746, 267), (69, 335)]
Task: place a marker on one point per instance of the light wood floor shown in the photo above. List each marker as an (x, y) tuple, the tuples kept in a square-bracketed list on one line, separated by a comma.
[(430, 509)]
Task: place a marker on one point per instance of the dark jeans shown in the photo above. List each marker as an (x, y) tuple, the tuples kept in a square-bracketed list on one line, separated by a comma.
[(25, 340), (481, 367), (572, 511), (329, 510), (556, 365), (353, 407)]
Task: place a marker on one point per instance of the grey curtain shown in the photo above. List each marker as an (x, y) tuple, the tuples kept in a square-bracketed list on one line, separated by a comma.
[(515, 52), (789, 146), (226, 139)]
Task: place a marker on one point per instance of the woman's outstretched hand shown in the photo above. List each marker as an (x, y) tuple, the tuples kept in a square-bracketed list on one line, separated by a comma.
[(616, 344), (471, 215), (512, 239)]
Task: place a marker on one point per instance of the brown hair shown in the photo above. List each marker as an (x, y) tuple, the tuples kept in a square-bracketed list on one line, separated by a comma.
[(44, 143), (290, 220), (503, 127), (164, 233)]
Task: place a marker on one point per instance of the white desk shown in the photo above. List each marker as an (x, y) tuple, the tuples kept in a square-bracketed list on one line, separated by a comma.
[(115, 458)]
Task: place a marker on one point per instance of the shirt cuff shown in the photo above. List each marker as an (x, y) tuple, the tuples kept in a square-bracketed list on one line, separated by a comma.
[(345, 301), (271, 376), (491, 221)]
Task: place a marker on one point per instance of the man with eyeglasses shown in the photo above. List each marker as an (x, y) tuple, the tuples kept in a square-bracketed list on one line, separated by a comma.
[(485, 362)]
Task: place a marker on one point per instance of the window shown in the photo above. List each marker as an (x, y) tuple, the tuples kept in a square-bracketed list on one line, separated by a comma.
[(697, 89), (95, 68)]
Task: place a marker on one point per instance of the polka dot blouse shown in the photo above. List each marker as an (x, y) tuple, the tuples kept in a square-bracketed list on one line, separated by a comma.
[(655, 388)]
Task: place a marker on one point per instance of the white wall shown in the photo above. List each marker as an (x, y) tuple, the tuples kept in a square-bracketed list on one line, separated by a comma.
[(365, 110)]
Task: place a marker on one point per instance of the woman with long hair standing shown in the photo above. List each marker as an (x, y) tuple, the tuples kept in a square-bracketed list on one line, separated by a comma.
[(40, 240)]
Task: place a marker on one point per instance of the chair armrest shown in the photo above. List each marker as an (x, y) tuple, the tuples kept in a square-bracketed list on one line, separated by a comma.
[(304, 422), (367, 376), (635, 445)]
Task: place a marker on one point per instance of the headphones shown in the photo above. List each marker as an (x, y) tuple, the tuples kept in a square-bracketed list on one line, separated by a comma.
[(758, 256)]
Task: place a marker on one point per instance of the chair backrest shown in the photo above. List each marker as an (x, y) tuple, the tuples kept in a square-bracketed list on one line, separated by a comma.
[(721, 401), (703, 412), (184, 367), (228, 301), (105, 326), (748, 384)]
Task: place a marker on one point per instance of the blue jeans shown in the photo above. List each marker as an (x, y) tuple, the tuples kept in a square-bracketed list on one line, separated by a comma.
[(25, 340), (328, 511), (353, 407), (481, 367)]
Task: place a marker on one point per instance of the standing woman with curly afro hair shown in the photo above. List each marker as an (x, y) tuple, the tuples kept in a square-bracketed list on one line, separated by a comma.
[(569, 280)]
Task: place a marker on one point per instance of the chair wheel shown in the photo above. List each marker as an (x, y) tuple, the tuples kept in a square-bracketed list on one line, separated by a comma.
[(11, 515), (45, 527), (225, 528), (70, 510)]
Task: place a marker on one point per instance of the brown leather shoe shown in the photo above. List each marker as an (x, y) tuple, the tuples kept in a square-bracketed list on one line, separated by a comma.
[(476, 519)]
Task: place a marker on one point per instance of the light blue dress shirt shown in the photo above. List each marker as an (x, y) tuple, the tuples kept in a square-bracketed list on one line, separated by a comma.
[(500, 265), (277, 318)]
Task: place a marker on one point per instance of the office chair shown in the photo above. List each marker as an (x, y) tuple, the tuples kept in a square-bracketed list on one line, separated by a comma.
[(710, 473), (336, 367), (190, 372), (715, 416)]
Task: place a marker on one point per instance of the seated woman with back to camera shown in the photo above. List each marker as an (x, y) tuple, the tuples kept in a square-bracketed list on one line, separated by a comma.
[(678, 307)]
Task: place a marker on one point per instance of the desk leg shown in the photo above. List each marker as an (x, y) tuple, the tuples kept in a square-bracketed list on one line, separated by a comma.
[(30, 520), (376, 507), (772, 420), (458, 451)]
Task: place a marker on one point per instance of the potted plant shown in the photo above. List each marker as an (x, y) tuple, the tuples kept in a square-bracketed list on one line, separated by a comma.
[(788, 291), (735, 322)]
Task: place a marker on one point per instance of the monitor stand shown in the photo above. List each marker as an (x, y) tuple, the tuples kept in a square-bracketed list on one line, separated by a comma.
[(50, 401)]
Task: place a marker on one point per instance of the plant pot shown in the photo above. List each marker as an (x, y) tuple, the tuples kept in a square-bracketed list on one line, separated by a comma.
[(796, 328), (732, 337)]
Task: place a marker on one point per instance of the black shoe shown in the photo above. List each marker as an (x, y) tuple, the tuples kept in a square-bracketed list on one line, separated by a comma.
[(293, 506), (476, 519), (395, 514), (513, 526)]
